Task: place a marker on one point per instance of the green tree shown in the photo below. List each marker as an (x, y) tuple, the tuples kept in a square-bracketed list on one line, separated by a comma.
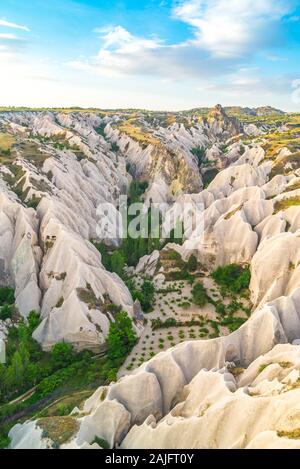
[(6, 311), (33, 320), (199, 295), (105, 257), (199, 152), (62, 355), (147, 296), (233, 277), (7, 296), (136, 190), (121, 336), (117, 263), (192, 263), (15, 372)]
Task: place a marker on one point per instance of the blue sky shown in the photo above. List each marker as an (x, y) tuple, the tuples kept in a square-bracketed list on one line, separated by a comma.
[(155, 54)]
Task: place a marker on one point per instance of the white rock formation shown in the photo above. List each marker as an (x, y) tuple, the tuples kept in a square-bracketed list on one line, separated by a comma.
[(188, 397), (239, 391)]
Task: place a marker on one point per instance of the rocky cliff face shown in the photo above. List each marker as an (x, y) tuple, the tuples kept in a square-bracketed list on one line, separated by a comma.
[(194, 395)]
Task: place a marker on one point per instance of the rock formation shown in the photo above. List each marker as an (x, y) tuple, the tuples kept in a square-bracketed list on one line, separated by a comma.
[(238, 391)]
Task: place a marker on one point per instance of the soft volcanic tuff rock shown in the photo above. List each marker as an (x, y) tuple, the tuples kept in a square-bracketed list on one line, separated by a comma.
[(189, 396), (238, 391)]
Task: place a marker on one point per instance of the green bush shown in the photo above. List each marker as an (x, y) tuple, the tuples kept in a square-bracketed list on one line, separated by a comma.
[(220, 308), (7, 296), (62, 355), (199, 295), (117, 263), (180, 275), (101, 442), (199, 152), (136, 190), (6, 312), (209, 176), (64, 409), (33, 320), (232, 277), (147, 296), (185, 305), (121, 337)]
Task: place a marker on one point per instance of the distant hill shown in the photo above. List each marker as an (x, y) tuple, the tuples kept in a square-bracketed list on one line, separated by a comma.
[(238, 110), (259, 111)]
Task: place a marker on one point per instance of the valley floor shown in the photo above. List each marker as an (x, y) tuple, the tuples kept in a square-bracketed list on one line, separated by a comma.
[(174, 300)]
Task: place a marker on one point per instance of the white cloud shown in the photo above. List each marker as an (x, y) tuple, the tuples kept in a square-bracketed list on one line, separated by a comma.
[(8, 36), (231, 27), (138, 71), (123, 53), (8, 24), (224, 32), (124, 42)]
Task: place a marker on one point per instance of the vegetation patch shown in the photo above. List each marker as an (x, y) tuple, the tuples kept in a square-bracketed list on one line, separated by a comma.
[(101, 442), (263, 366), (121, 337), (233, 323), (237, 371), (208, 176), (87, 296), (199, 294), (6, 144), (7, 300), (135, 132), (199, 152), (233, 278), (59, 429), (233, 212), (286, 203), (292, 435), (286, 364), (32, 152)]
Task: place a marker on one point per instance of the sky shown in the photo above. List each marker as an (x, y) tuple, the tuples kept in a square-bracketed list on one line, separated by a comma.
[(150, 54)]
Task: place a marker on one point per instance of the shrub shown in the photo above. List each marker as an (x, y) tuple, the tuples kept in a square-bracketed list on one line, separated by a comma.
[(199, 295), (121, 337), (64, 409), (62, 355), (117, 263), (136, 190), (6, 312), (199, 152), (101, 442), (233, 277), (33, 320), (220, 308), (192, 263), (147, 296), (7, 296)]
